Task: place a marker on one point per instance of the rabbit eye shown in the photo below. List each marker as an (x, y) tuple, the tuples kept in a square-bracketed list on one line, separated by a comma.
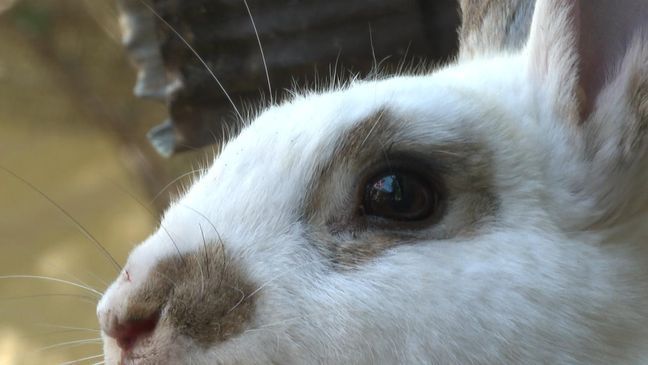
[(400, 196)]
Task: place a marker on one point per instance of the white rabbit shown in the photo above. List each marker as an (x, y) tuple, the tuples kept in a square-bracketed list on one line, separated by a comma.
[(490, 212)]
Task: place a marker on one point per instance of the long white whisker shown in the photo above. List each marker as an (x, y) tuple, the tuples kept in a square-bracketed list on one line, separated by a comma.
[(266, 326), (193, 50), (49, 325), (265, 66), (378, 119), (220, 239), (47, 278), (243, 297), (76, 278), (399, 70), (174, 181), (67, 214), (81, 360), (146, 208), (333, 82), (48, 334), (86, 298), (279, 276), (373, 51), (71, 344)]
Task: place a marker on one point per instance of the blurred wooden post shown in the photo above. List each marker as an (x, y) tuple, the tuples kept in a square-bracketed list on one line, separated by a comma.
[(299, 39)]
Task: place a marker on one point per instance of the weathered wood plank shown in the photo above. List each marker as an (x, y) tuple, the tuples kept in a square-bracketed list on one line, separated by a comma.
[(298, 38)]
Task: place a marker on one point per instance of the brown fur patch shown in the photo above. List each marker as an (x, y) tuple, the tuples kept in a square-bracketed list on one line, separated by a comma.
[(639, 104), (362, 137), (462, 176), (203, 294)]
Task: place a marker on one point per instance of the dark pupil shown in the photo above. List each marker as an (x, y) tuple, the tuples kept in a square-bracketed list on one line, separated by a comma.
[(397, 196)]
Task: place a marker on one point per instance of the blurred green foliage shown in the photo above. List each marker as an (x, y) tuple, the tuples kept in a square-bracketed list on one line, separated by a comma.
[(35, 20)]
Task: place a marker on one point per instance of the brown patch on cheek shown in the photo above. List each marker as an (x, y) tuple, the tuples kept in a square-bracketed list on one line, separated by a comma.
[(356, 148), (639, 104), (202, 295), (349, 251)]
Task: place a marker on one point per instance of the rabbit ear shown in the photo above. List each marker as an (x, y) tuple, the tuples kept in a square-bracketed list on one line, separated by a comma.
[(577, 47), (493, 26), (588, 67)]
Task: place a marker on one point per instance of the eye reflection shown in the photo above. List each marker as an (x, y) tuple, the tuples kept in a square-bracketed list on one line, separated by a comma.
[(388, 185), (400, 196)]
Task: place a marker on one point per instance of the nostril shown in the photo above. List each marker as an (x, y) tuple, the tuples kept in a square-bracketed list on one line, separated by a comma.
[(127, 333)]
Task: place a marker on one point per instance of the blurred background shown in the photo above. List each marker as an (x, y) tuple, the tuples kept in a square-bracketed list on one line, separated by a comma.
[(69, 125)]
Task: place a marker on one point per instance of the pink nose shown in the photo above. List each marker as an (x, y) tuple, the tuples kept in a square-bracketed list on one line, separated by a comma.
[(127, 333)]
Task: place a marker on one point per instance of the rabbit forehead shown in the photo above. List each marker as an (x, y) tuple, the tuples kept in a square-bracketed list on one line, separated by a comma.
[(255, 193)]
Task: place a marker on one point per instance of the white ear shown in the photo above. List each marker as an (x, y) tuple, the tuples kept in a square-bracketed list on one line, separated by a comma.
[(576, 47), (588, 65), (606, 31)]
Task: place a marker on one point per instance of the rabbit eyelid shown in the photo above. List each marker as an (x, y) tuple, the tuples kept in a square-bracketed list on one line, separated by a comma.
[(460, 170)]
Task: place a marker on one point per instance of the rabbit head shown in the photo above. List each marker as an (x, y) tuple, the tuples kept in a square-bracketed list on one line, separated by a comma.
[(489, 212)]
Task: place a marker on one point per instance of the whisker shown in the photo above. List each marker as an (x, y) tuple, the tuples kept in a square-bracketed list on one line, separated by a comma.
[(72, 328), (384, 150), (260, 287), (401, 66), (204, 63), (204, 241), (78, 225), (333, 83), (373, 51), (449, 153), (378, 120), (48, 278), (81, 360), (220, 239), (150, 212), (86, 298), (47, 334), (97, 277), (240, 300), (265, 66), (71, 344), (205, 218), (173, 182), (157, 272), (76, 278), (202, 276), (266, 326)]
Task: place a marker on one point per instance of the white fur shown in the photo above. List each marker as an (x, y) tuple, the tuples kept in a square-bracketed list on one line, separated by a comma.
[(558, 277)]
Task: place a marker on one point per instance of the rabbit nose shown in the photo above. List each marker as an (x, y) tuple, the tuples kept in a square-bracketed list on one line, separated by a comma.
[(127, 333)]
